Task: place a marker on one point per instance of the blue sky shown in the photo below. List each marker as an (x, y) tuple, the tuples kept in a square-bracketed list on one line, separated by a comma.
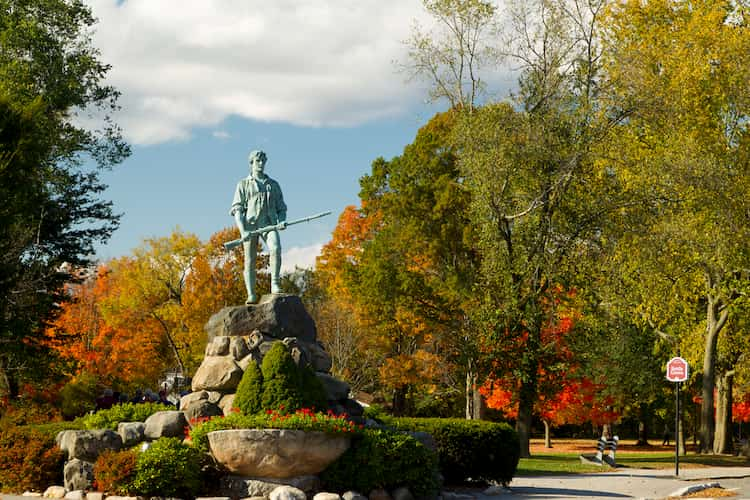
[(314, 83)]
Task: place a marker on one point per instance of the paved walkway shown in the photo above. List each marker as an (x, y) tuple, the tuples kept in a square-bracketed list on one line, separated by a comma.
[(621, 483), (618, 484)]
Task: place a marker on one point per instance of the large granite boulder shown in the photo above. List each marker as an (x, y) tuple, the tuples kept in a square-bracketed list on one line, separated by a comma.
[(131, 433), (276, 453), (170, 423), (276, 315), (201, 410), (87, 445), (217, 373), (78, 475)]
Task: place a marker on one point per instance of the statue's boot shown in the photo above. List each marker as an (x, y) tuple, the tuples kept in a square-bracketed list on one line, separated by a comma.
[(275, 272), (250, 285)]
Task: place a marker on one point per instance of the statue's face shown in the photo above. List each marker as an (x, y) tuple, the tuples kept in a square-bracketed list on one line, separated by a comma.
[(257, 166)]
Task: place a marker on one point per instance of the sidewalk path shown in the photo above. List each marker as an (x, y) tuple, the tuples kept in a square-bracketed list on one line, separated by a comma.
[(620, 483)]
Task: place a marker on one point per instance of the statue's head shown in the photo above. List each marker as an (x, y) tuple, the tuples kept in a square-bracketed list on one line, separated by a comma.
[(257, 155), (257, 160)]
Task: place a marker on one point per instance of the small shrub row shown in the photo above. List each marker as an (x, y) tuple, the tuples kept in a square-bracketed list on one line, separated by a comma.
[(29, 457), (168, 468), (475, 449), (384, 459), (127, 412)]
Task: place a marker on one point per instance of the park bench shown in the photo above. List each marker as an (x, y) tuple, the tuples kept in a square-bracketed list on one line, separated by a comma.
[(600, 458)]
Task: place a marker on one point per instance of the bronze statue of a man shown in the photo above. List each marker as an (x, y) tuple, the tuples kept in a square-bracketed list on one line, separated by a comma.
[(258, 203)]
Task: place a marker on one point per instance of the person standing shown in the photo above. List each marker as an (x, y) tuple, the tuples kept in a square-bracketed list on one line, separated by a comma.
[(257, 203)]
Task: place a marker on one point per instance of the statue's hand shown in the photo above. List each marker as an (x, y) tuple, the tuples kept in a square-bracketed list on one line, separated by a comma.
[(282, 225)]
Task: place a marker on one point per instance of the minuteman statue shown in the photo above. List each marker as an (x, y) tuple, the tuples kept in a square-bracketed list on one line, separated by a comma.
[(258, 203)]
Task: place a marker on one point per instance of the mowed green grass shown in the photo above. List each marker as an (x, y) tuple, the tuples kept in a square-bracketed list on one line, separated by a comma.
[(543, 462)]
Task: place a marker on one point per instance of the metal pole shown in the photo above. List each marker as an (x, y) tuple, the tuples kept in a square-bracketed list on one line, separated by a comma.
[(677, 431)]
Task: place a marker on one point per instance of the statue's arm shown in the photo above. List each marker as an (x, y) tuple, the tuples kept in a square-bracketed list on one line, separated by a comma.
[(239, 206), (280, 205)]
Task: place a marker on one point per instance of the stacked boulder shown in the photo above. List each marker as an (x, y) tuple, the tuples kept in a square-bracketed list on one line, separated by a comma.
[(83, 447), (240, 335)]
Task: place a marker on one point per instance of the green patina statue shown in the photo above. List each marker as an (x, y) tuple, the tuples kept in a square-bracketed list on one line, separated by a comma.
[(259, 204)]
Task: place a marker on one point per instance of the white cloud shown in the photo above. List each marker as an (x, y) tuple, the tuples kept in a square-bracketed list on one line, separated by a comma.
[(302, 257), (186, 63)]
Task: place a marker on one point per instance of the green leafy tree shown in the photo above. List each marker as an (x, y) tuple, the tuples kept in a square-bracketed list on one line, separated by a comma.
[(52, 214), (539, 197), (683, 67), (412, 281)]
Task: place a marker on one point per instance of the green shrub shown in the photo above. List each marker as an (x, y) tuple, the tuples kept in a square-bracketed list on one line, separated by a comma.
[(79, 395), (287, 386), (474, 449), (29, 457), (114, 471), (281, 384), (250, 390), (127, 412), (167, 468), (384, 459)]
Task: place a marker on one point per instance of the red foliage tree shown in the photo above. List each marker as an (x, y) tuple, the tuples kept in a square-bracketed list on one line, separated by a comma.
[(565, 395)]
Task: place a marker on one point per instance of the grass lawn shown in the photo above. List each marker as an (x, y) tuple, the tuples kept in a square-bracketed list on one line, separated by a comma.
[(563, 458)]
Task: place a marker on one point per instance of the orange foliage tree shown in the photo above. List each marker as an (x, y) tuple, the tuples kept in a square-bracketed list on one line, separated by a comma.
[(565, 395), (86, 336), (334, 310), (142, 315)]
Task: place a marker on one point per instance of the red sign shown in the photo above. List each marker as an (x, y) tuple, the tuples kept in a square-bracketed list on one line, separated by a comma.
[(677, 370)]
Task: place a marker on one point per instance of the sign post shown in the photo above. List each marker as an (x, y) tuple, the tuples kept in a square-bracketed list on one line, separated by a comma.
[(678, 372)]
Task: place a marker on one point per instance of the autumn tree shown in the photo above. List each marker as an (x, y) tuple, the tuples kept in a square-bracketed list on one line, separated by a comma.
[(568, 391), (331, 302), (144, 314), (683, 68), (413, 277), (89, 340), (214, 282)]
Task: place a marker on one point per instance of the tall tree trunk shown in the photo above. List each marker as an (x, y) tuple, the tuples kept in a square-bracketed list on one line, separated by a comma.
[(527, 394), (716, 316), (399, 401), (474, 401), (643, 429), (547, 437), (723, 442), (526, 400)]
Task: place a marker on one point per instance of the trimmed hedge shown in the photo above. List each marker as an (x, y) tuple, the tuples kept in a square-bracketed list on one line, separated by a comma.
[(29, 457), (474, 449), (384, 459)]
